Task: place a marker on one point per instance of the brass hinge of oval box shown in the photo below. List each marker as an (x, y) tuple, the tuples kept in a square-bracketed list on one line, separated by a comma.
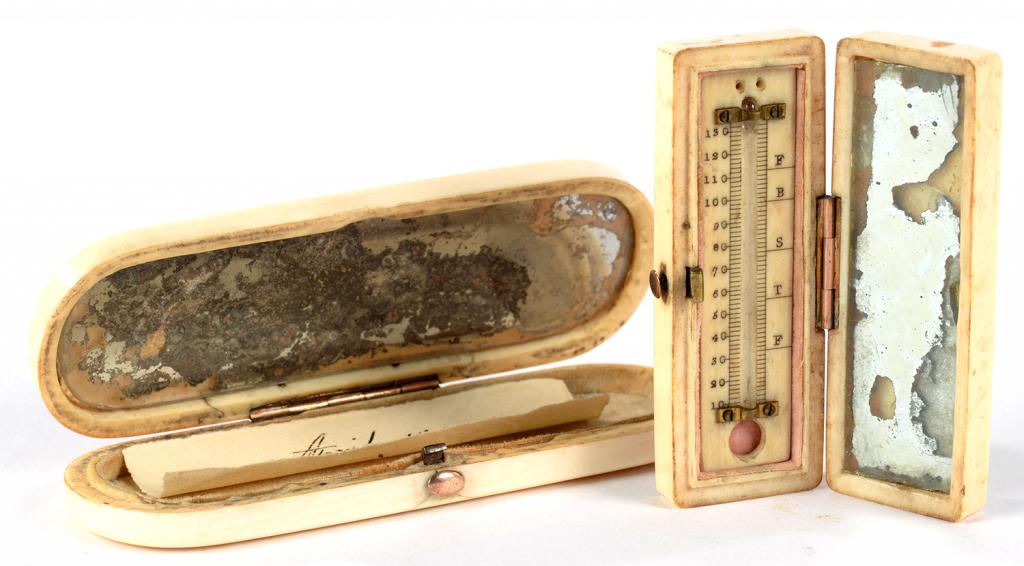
[(333, 399), (826, 263)]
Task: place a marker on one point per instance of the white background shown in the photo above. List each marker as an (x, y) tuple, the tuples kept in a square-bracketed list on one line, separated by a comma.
[(118, 115)]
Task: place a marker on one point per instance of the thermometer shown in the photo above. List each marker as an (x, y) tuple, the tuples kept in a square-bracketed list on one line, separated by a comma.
[(740, 173)]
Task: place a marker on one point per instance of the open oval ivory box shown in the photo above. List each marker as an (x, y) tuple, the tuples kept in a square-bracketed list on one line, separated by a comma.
[(330, 340)]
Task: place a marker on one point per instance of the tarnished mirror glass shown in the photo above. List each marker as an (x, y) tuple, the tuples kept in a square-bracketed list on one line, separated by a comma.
[(379, 291), (905, 272)]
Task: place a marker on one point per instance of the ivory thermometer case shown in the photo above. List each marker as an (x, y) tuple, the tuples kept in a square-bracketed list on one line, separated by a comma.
[(740, 167), (755, 265), (399, 293)]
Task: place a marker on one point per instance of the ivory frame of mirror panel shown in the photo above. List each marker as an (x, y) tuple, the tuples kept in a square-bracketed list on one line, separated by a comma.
[(981, 76)]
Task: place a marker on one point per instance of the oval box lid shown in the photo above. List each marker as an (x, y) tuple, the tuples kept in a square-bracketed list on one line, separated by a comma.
[(199, 322)]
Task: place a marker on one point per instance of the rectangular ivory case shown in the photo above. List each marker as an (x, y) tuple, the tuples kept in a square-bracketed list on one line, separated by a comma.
[(896, 266), (678, 219), (212, 321)]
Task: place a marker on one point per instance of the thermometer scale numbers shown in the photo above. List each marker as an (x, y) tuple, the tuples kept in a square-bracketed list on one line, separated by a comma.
[(746, 185)]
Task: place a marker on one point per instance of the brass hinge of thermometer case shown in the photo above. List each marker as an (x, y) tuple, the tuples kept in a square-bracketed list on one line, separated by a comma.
[(827, 264)]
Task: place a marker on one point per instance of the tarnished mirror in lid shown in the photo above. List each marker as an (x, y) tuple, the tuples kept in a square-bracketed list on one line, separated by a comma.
[(916, 168), (455, 277)]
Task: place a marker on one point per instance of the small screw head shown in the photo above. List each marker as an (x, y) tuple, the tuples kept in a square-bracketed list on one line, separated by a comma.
[(749, 104)]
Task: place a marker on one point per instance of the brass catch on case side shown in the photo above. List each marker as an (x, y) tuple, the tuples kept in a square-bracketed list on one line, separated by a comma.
[(694, 284), (433, 454), (442, 483), (827, 264)]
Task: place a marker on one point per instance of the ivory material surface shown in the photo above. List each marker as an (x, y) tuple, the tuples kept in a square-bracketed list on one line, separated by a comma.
[(105, 500), (760, 213), (981, 97), (678, 216), (317, 216), (217, 458)]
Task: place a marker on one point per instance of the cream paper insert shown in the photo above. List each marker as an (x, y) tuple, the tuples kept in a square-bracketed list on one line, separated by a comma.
[(219, 458)]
